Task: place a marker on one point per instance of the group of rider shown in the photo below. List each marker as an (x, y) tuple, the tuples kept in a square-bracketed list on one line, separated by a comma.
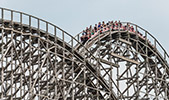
[(102, 27)]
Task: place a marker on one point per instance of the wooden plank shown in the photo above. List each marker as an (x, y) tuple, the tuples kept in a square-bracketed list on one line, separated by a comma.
[(109, 63), (124, 58), (124, 41)]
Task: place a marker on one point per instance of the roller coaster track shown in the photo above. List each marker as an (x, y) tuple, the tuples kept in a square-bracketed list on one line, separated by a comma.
[(40, 61)]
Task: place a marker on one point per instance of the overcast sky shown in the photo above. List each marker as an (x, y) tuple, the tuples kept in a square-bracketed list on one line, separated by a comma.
[(74, 15)]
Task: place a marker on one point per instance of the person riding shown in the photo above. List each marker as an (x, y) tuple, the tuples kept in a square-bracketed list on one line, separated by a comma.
[(95, 28)]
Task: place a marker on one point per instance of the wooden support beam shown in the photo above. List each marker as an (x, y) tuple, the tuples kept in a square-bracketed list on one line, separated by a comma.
[(124, 58), (124, 41), (109, 63)]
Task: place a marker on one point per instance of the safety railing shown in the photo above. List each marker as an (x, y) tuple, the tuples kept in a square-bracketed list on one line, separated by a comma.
[(21, 18), (153, 41), (40, 24)]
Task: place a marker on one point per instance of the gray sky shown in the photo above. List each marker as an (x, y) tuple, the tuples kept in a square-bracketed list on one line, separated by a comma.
[(75, 15)]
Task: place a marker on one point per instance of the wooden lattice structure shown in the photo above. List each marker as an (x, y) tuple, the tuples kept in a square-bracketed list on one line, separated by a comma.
[(40, 61)]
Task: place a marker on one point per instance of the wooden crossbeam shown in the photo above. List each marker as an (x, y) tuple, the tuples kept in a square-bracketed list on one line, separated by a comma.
[(109, 63), (124, 58), (124, 41)]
